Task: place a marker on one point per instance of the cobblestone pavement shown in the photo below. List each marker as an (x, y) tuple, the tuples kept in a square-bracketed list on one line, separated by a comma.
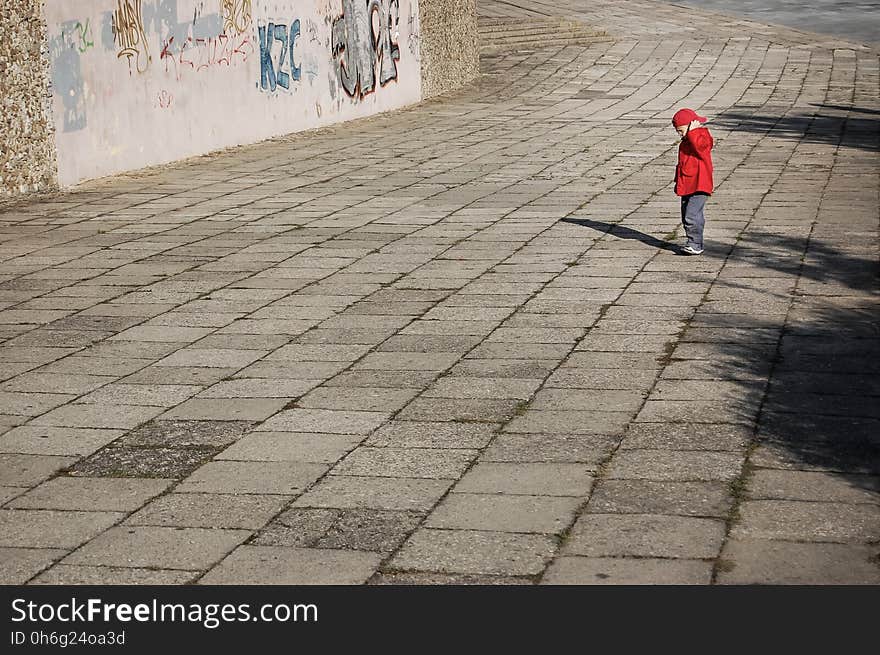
[(455, 343)]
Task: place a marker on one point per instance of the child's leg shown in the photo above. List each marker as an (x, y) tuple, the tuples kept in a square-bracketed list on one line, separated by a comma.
[(693, 219)]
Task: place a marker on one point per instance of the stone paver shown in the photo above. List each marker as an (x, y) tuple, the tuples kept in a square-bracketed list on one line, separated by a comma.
[(626, 571), (156, 547), (436, 372)]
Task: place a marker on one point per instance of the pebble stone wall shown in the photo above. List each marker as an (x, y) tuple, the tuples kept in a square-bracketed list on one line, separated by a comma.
[(27, 146), (450, 45)]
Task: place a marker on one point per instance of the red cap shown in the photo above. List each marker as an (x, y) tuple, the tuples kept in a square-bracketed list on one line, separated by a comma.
[(685, 117)]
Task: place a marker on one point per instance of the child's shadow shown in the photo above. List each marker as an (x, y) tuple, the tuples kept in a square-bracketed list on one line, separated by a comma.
[(617, 230)]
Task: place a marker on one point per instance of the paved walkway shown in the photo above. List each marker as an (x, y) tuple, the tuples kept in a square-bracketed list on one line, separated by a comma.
[(455, 344)]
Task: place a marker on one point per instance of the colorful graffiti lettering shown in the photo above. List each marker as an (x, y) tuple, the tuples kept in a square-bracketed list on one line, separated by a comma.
[(236, 16), (200, 54), (84, 32), (164, 99), (129, 36), (273, 75), (366, 35)]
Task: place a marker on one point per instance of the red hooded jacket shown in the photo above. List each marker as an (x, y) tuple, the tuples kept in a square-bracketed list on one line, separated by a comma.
[(693, 173)]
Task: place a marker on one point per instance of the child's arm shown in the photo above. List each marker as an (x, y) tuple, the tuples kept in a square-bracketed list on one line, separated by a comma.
[(700, 140)]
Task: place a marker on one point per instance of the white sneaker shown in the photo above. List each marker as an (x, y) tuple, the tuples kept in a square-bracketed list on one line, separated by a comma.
[(690, 250)]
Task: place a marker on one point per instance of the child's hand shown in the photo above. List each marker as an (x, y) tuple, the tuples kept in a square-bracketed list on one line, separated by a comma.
[(694, 124)]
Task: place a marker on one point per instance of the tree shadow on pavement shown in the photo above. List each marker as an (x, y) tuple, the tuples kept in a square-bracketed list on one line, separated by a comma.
[(821, 410), (623, 232), (850, 132)]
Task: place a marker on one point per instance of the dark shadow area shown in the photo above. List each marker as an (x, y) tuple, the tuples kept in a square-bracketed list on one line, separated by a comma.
[(622, 232), (820, 407), (821, 410), (858, 110), (823, 263), (852, 132)]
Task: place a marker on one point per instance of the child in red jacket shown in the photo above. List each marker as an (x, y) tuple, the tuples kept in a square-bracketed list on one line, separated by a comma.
[(693, 175)]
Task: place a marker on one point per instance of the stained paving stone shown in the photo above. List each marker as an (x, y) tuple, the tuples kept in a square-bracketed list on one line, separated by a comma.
[(459, 409), (813, 486), (458, 579), (259, 388), (91, 494), (757, 561), (352, 492), (531, 479), (570, 421), (35, 528), (64, 574), (710, 499), (288, 370), (177, 433), (474, 552), (518, 351), (807, 521), (291, 447), (191, 549), (18, 565), (683, 436), (698, 411), (672, 465), (602, 379), (31, 404), (186, 375), (587, 400), (426, 434), (444, 463), (138, 462), (645, 535), (627, 571), (614, 360), (30, 470), (523, 369), (504, 513), (380, 531), (324, 420), (8, 493), (80, 415), (483, 387), (56, 382), (274, 565), (199, 510), (360, 398), (429, 343), (228, 409), (407, 361), (589, 449), (211, 357), (861, 459), (383, 379), (159, 395), (286, 478)]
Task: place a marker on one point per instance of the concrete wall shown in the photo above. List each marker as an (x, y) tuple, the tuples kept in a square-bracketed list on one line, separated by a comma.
[(133, 83), (27, 148), (140, 82)]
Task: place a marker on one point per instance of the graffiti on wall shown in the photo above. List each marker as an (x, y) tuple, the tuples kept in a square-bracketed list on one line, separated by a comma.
[(212, 73), (129, 35), (277, 64), (66, 51), (364, 38), (236, 16), (198, 53)]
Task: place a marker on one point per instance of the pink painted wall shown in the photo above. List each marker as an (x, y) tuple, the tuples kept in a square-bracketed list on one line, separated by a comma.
[(143, 82)]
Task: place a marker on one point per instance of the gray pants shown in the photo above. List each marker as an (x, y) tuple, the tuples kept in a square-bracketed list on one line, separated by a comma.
[(693, 219)]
